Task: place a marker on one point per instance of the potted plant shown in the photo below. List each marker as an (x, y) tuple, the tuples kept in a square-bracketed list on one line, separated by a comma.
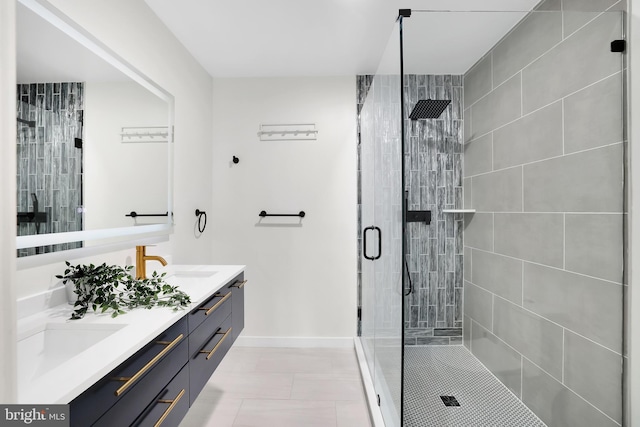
[(112, 288)]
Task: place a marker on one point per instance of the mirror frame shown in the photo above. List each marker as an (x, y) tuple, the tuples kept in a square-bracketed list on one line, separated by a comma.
[(61, 21)]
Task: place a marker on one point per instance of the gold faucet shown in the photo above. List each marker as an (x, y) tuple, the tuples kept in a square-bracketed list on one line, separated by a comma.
[(141, 261)]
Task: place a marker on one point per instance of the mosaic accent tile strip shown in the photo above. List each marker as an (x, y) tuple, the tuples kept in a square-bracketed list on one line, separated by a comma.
[(433, 180), (49, 165)]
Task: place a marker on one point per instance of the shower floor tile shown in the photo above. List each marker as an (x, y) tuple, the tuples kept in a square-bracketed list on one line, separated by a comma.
[(452, 371)]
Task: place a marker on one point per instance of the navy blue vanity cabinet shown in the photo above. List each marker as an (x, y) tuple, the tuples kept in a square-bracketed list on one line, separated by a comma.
[(157, 385), (120, 396), (236, 286)]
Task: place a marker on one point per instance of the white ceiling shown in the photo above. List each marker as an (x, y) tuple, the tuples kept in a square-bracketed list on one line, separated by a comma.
[(44, 53), (251, 38)]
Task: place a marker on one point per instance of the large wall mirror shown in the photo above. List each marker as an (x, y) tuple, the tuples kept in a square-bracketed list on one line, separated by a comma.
[(94, 139)]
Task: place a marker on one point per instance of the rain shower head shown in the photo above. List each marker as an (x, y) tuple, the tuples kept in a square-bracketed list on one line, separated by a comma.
[(429, 108)]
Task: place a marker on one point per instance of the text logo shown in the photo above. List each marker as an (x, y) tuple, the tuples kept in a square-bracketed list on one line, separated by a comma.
[(36, 415)]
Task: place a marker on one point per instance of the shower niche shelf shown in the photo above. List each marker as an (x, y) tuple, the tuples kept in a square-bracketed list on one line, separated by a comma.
[(455, 211)]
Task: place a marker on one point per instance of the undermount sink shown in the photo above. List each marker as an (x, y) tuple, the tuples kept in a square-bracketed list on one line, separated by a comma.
[(192, 282), (195, 274), (46, 348)]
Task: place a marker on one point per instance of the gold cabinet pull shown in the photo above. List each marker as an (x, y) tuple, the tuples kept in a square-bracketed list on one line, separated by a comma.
[(239, 284), (210, 353), (216, 305), (172, 405), (130, 380)]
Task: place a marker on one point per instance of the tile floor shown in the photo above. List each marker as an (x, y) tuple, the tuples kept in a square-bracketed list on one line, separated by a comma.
[(283, 387), (434, 371)]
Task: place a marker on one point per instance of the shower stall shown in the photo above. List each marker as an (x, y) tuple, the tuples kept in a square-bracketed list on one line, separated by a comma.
[(492, 204)]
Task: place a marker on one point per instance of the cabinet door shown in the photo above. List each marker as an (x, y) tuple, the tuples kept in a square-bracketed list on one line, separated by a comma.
[(210, 308), (127, 409), (137, 379), (237, 299), (208, 357), (170, 406), (205, 330)]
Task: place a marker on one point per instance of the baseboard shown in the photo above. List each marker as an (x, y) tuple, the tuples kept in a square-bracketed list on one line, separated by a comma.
[(295, 342)]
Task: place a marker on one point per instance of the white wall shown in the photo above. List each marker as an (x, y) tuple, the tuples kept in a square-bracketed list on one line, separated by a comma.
[(134, 32), (114, 170), (8, 198), (302, 279)]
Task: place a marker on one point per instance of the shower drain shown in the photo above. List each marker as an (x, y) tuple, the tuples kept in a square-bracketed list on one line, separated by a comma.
[(449, 401)]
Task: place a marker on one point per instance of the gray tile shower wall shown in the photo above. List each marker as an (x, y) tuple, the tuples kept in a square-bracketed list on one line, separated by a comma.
[(48, 163), (544, 157)]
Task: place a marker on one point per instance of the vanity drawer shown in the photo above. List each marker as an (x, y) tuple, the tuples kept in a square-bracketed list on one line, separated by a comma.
[(150, 369), (205, 330), (170, 406), (127, 409), (207, 358), (214, 307)]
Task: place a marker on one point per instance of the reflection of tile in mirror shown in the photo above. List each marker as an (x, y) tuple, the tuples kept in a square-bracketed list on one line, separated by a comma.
[(49, 165)]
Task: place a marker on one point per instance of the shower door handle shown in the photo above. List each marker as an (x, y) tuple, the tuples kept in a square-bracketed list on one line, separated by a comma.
[(364, 243), (379, 242)]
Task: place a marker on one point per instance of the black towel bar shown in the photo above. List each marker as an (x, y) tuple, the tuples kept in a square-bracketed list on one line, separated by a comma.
[(263, 214), (134, 214)]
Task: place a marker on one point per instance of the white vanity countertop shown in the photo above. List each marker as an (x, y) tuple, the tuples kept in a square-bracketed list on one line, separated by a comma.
[(70, 377)]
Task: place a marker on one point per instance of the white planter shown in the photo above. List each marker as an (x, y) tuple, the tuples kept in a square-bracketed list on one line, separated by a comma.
[(70, 287)]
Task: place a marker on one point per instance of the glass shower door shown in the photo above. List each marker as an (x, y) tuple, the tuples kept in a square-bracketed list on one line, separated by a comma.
[(381, 155), (367, 138)]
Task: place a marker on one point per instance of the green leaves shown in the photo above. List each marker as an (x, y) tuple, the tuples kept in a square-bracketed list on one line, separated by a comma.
[(112, 288)]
